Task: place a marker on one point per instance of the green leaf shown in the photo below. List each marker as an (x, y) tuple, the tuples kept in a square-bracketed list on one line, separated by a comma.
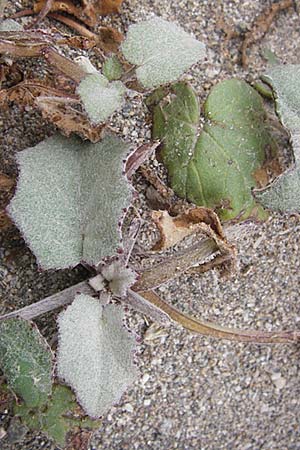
[(162, 51), (112, 68), (57, 418), (26, 361), (216, 169), (70, 198), (99, 97), (283, 193), (95, 353)]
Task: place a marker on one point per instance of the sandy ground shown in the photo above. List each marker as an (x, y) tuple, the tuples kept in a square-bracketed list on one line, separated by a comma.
[(193, 392)]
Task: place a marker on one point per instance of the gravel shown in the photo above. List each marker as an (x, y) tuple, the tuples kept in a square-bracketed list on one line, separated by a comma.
[(193, 392)]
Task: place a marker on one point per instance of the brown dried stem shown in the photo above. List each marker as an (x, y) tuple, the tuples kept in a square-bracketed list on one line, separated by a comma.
[(262, 25), (31, 44), (50, 303), (211, 329)]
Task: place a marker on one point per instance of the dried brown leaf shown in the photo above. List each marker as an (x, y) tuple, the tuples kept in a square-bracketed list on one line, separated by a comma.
[(6, 188), (26, 92), (68, 119), (85, 15), (174, 229), (110, 39), (6, 183), (5, 221), (105, 7)]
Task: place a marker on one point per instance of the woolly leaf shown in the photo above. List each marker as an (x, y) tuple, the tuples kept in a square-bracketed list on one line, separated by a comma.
[(26, 361), (57, 418), (99, 97), (112, 68), (69, 211), (10, 25), (216, 169), (283, 193), (120, 278), (95, 353), (161, 50)]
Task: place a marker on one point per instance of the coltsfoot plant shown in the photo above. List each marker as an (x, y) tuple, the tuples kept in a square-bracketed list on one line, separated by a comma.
[(72, 197)]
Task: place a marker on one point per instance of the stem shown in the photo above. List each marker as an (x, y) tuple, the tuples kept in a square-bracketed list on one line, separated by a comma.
[(36, 47), (150, 304), (173, 266), (55, 301), (211, 329), (64, 65), (82, 30), (46, 8)]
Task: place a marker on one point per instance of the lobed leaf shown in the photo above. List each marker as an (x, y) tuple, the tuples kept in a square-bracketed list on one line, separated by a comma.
[(95, 353), (99, 97), (217, 169), (26, 361), (162, 51), (70, 210), (283, 193)]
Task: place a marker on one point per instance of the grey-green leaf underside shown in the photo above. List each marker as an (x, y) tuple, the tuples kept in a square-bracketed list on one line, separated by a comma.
[(26, 361), (162, 51), (99, 97), (112, 68), (284, 193), (95, 353), (216, 169), (70, 198)]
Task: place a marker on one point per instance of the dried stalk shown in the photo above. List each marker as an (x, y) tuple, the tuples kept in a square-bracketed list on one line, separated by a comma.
[(150, 304), (211, 329), (48, 304), (175, 265), (31, 44)]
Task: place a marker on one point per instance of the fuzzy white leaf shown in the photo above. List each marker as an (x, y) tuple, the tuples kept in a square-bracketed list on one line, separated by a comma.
[(70, 199), (120, 278), (284, 193), (85, 64), (99, 97), (97, 283), (10, 25), (95, 353), (162, 51)]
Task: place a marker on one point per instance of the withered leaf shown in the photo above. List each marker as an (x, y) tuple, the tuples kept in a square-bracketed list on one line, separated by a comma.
[(175, 229), (68, 119), (105, 7), (25, 92), (6, 188), (86, 15)]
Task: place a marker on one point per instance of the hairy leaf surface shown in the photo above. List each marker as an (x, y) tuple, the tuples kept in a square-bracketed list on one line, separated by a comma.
[(26, 361), (162, 51), (99, 97), (70, 198), (216, 169), (283, 193), (95, 353), (120, 278)]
